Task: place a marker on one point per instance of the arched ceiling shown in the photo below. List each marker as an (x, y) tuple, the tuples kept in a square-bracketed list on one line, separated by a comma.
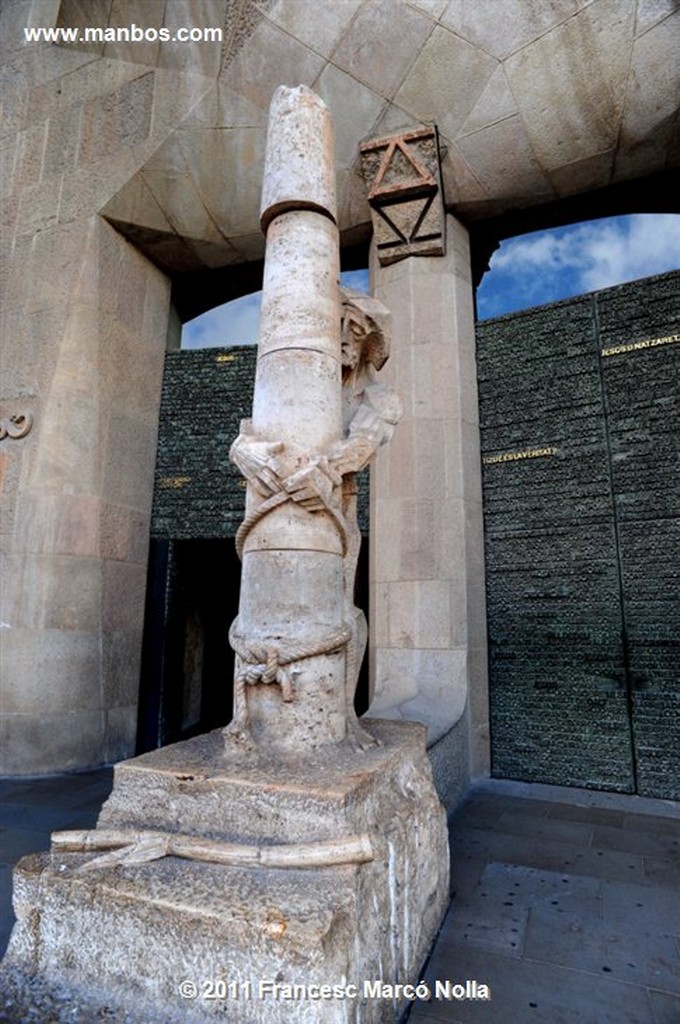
[(535, 100)]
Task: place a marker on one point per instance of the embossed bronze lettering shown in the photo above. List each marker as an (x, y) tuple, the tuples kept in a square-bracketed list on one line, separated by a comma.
[(634, 346), (530, 453), (174, 482)]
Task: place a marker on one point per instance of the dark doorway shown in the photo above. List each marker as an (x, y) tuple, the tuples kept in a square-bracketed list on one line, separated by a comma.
[(187, 664), (194, 574)]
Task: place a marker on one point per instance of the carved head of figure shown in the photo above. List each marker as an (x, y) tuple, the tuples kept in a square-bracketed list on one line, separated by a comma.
[(365, 332)]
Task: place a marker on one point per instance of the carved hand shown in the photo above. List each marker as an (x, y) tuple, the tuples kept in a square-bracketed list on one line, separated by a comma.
[(257, 462), (312, 487)]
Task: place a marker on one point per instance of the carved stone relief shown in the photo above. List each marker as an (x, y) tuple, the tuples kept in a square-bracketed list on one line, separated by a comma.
[(16, 426), (403, 177)]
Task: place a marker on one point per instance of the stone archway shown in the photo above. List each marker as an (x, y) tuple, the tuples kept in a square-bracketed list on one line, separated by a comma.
[(167, 144)]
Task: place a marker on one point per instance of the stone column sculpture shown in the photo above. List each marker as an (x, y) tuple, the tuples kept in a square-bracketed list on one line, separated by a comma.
[(298, 638)]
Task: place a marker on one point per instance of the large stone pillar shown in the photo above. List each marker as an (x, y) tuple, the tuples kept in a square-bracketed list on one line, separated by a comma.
[(302, 851), (83, 341), (428, 614)]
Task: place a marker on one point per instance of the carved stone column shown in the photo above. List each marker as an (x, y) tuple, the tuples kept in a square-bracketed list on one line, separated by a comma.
[(291, 585), (271, 868), (403, 177)]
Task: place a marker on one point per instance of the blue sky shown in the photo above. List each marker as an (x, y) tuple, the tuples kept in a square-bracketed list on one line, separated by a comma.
[(527, 271)]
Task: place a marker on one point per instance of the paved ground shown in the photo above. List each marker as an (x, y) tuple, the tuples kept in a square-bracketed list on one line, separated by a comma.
[(566, 902), (30, 810), (566, 905)]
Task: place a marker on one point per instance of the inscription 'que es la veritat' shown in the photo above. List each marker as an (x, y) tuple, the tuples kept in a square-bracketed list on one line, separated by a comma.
[(529, 453)]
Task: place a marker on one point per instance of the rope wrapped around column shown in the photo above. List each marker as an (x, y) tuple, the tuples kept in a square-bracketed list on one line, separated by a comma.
[(268, 662), (273, 502)]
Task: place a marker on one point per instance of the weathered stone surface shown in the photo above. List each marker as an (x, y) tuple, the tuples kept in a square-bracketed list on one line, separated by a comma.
[(319, 415), (428, 89), (562, 134), (77, 540), (371, 49), (403, 181), (299, 169), (126, 937), (510, 25), (292, 595), (167, 140)]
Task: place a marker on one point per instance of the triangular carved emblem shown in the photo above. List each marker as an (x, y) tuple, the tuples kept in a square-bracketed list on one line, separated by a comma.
[(400, 171), (406, 221), (403, 177)]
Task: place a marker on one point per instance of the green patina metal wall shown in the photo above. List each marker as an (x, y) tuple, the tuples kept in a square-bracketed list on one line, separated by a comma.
[(579, 418), (197, 492)]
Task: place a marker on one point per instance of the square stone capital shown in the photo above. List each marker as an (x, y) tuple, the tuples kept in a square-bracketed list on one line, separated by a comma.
[(403, 177)]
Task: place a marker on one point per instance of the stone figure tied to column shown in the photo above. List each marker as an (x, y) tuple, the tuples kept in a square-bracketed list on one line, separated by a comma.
[(325, 483)]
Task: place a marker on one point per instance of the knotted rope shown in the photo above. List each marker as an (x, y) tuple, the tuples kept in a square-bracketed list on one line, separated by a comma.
[(268, 662)]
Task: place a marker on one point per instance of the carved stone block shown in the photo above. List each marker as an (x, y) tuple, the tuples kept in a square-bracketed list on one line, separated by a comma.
[(182, 938), (403, 177)]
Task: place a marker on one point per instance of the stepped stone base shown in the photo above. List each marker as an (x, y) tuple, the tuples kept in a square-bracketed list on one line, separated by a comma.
[(128, 936)]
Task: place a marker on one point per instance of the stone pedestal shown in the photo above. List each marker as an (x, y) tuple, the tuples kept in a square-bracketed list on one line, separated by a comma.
[(143, 938)]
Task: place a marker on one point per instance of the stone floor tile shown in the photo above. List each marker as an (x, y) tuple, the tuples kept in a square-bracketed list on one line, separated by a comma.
[(580, 941), (16, 843), (491, 926), (546, 854), (665, 1008), (6, 911), (529, 886), (42, 789), (508, 796), (466, 870), (661, 872), (480, 812), (649, 843), (64, 790), (652, 823), (494, 916), (525, 992), (651, 909), (39, 818), (589, 815), (523, 824)]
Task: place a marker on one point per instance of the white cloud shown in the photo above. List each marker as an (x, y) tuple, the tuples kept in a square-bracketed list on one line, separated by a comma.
[(234, 323), (238, 322), (549, 265), (649, 244)]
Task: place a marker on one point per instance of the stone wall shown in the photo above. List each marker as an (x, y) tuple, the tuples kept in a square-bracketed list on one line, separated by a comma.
[(85, 315), (578, 440)]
